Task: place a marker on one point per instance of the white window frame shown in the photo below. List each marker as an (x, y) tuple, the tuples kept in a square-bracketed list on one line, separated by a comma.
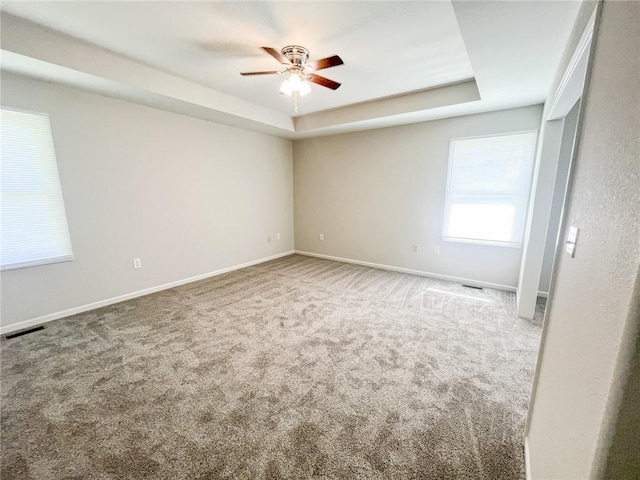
[(62, 256), (448, 199)]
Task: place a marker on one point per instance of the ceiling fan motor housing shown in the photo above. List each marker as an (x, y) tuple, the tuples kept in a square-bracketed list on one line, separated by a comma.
[(296, 54)]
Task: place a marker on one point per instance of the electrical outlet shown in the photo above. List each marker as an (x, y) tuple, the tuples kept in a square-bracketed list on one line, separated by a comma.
[(416, 248), (322, 237), (436, 250), (137, 263), (277, 236), (269, 238)]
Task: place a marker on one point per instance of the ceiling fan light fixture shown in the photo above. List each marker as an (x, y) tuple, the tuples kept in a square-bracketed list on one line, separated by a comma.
[(295, 83), (304, 88), (285, 88)]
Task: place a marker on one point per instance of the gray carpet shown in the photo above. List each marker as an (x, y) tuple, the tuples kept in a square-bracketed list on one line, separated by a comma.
[(295, 368)]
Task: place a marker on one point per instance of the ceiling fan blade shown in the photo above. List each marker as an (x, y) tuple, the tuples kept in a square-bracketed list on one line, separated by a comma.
[(271, 72), (325, 82), (326, 62), (276, 54)]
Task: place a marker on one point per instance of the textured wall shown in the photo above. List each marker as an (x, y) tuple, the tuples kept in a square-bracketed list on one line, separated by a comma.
[(619, 452), (374, 194), (186, 196), (593, 292)]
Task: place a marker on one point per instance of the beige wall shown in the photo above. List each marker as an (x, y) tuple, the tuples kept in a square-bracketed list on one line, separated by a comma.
[(592, 294), (374, 194), (186, 196), (616, 456)]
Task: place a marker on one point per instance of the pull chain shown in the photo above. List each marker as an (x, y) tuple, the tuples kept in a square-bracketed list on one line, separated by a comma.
[(295, 101)]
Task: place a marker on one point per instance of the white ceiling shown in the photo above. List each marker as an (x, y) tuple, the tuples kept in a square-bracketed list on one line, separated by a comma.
[(390, 49)]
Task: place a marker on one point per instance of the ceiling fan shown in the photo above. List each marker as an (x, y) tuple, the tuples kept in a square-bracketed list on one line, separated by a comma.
[(299, 70)]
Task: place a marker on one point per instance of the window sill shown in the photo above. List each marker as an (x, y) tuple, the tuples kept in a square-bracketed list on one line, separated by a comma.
[(487, 243), (37, 263)]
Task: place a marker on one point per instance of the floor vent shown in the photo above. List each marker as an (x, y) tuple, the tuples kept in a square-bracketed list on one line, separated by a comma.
[(24, 332), (472, 286)]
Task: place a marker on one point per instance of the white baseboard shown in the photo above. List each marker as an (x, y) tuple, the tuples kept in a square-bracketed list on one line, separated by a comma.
[(128, 296), (466, 281), (527, 462)]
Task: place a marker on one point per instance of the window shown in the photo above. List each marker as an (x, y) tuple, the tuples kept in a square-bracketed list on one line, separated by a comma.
[(488, 189), (34, 222)]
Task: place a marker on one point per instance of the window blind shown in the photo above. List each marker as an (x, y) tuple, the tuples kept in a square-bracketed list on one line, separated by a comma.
[(488, 188), (34, 221)]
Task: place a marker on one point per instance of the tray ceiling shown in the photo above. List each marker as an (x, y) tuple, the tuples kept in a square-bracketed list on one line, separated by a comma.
[(476, 54)]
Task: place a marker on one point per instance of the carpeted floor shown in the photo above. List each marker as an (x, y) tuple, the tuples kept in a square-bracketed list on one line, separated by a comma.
[(295, 368)]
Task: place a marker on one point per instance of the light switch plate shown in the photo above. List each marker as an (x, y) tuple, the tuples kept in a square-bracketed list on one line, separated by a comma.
[(572, 239), (570, 248)]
